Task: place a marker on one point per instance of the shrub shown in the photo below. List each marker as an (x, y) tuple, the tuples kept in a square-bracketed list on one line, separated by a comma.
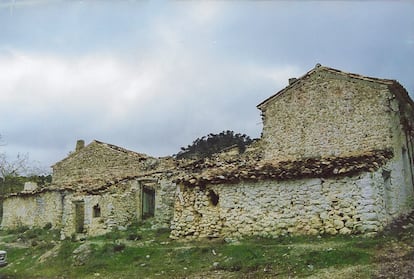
[(110, 248), (22, 229), (118, 247), (48, 226), (161, 231), (33, 233), (134, 236)]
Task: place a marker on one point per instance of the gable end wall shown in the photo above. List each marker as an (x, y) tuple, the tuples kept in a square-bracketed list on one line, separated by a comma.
[(327, 115)]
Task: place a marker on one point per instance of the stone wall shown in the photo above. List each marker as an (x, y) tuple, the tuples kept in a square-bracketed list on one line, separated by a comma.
[(114, 207), (99, 163), (164, 202), (401, 176), (119, 206), (32, 210), (338, 205), (117, 209), (112, 178), (326, 114), (335, 157)]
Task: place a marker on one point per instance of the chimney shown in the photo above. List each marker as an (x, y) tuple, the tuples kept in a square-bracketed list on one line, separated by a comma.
[(292, 80), (80, 144)]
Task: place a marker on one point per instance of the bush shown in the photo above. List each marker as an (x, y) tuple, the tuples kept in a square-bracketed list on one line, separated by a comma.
[(113, 235), (22, 229), (213, 144), (118, 247), (161, 231), (134, 236), (48, 226), (110, 248), (33, 233)]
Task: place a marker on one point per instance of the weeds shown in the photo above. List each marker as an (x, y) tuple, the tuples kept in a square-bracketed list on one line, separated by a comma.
[(140, 250)]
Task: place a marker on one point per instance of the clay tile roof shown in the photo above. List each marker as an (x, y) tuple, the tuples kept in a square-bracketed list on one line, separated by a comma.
[(121, 149), (106, 145), (205, 172)]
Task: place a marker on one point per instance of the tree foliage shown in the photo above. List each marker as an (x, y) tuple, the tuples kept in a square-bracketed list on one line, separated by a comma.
[(15, 183), (14, 173), (214, 143)]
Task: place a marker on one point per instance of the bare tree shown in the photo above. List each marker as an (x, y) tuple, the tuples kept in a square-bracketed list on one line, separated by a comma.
[(19, 166), (15, 172)]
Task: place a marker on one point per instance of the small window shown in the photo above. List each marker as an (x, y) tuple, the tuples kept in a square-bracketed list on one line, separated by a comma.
[(96, 211), (213, 197)]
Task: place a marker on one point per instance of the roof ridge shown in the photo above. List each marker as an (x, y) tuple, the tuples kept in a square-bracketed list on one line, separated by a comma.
[(118, 148), (319, 67), (359, 76)]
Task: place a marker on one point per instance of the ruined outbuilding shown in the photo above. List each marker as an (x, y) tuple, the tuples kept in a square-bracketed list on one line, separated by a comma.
[(335, 157), (95, 189)]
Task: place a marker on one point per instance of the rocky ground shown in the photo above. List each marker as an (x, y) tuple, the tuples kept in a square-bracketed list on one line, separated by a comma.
[(396, 259), (394, 256)]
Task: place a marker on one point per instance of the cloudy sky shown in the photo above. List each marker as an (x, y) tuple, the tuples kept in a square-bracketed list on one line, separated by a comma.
[(152, 76)]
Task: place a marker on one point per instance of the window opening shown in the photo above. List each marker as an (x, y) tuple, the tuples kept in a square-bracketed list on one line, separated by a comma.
[(96, 211), (213, 197)]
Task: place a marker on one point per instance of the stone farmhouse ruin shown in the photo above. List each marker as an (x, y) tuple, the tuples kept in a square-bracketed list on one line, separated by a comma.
[(95, 189), (335, 157)]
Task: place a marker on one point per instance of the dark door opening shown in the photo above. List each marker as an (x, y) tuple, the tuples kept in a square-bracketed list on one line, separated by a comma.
[(148, 202), (79, 216), (96, 211)]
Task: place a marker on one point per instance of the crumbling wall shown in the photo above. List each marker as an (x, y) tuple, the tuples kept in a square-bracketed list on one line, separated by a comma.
[(32, 210), (164, 202), (117, 209), (118, 206), (326, 114), (399, 174), (337, 205)]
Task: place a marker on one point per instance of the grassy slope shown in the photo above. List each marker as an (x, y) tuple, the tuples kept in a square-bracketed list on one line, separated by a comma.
[(142, 253)]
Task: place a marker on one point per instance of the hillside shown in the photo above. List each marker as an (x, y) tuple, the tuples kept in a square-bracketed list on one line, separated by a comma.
[(140, 252)]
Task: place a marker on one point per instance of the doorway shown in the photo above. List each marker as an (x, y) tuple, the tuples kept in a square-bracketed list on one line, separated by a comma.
[(79, 216), (148, 202)]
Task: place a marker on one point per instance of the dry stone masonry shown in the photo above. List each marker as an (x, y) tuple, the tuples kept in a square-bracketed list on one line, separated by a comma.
[(336, 205), (335, 157), (327, 113), (32, 210), (96, 189)]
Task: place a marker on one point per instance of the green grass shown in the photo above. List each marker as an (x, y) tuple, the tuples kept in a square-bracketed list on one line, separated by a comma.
[(141, 251)]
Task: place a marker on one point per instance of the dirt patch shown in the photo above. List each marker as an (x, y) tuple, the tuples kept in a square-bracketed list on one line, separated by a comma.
[(396, 259)]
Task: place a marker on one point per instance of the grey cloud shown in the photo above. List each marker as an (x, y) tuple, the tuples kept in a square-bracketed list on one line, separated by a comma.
[(153, 77)]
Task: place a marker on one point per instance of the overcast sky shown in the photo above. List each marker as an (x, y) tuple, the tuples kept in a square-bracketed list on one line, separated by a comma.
[(153, 76)]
